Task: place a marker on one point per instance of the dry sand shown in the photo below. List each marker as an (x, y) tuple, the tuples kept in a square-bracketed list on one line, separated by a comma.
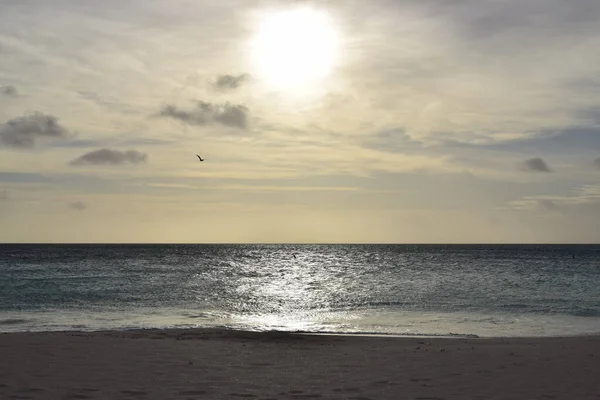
[(214, 364)]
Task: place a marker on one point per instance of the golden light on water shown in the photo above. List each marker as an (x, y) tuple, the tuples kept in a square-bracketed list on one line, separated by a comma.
[(294, 49)]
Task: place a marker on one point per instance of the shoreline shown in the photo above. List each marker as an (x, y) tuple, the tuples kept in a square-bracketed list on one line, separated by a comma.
[(212, 363), (233, 331), (384, 322)]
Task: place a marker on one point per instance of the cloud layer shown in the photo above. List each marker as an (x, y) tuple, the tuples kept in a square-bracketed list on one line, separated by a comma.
[(234, 115), (424, 97), (110, 157), (24, 132)]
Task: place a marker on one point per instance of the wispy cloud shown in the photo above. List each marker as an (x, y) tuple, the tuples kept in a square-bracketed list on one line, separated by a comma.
[(24, 132), (110, 157), (567, 140), (234, 115), (172, 185), (230, 82), (108, 102), (9, 91), (535, 165), (78, 143), (423, 91), (251, 188)]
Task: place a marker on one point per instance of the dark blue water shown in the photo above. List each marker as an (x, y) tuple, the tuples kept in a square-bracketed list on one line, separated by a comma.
[(485, 290)]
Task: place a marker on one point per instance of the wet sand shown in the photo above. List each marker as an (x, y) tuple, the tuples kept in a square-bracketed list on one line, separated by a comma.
[(217, 364)]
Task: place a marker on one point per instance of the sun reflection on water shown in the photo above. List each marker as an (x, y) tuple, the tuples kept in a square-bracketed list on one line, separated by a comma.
[(298, 293)]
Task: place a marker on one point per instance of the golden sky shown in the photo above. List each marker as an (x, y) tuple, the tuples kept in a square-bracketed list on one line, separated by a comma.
[(410, 121)]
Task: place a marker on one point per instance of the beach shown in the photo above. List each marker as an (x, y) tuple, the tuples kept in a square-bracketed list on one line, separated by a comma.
[(225, 364)]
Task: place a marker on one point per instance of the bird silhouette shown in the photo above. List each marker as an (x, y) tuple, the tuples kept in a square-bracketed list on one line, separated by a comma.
[(199, 158)]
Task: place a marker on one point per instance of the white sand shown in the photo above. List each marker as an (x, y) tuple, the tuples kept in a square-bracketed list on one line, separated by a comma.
[(214, 364)]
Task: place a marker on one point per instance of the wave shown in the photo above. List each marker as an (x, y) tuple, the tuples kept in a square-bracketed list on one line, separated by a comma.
[(13, 321), (367, 333)]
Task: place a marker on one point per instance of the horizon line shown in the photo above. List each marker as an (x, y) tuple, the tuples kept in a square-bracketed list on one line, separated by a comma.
[(313, 243)]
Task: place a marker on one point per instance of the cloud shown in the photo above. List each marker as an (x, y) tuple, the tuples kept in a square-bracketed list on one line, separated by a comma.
[(393, 141), (230, 82), (9, 91), (234, 115), (78, 205), (110, 157), (597, 162), (23, 132), (4, 195), (535, 164)]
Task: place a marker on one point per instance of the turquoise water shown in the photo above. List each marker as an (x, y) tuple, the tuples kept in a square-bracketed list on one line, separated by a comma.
[(483, 290)]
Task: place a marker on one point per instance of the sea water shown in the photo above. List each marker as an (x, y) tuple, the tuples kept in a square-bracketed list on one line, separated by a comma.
[(470, 290)]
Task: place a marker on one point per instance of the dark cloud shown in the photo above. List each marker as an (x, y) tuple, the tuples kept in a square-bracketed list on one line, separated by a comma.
[(597, 162), (110, 157), (9, 91), (234, 115), (78, 205), (23, 132), (228, 82), (536, 165)]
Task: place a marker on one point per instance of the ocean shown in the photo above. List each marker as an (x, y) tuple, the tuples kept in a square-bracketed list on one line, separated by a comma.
[(430, 290)]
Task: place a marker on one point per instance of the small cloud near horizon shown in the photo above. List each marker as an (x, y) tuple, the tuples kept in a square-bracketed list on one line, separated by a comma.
[(536, 165), (549, 205), (78, 205), (9, 90), (234, 115), (110, 157), (24, 132)]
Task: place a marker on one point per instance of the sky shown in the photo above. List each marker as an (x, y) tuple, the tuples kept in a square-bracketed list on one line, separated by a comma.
[(415, 121)]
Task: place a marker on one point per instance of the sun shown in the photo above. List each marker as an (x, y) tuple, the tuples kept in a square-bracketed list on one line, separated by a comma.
[(295, 47)]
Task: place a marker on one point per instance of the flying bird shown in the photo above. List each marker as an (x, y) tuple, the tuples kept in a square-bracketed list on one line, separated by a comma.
[(199, 158)]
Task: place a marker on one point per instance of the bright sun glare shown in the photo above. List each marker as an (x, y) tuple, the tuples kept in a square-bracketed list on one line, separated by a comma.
[(294, 48)]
